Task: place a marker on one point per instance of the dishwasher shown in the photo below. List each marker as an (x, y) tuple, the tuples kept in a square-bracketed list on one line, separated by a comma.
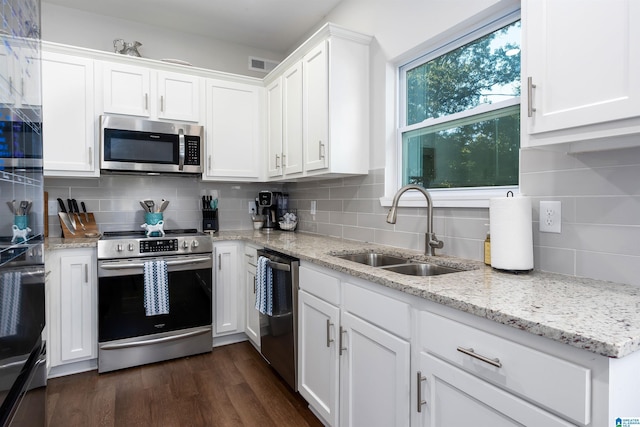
[(278, 330)]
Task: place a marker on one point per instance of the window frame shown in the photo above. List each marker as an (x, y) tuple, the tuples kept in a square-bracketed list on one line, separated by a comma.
[(451, 197)]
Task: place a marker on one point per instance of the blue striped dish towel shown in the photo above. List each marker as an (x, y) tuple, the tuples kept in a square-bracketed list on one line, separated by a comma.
[(10, 291), (156, 288), (264, 286)]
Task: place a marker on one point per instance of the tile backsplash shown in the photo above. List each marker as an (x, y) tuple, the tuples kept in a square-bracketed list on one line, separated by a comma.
[(599, 192), (114, 199)]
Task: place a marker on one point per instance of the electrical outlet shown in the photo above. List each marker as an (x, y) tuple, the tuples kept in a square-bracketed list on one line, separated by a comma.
[(550, 217), (252, 207)]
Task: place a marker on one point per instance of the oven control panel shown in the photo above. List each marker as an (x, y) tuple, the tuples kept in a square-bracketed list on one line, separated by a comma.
[(164, 245)]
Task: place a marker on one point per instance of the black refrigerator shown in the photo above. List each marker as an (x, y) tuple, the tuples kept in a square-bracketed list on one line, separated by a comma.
[(22, 278)]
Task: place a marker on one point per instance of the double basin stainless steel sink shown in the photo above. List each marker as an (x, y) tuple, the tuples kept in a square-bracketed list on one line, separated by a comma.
[(399, 264)]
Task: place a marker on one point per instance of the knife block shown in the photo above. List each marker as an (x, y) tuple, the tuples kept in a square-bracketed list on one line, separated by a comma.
[(68, 232)]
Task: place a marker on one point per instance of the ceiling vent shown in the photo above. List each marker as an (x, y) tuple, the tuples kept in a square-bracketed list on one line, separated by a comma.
[(260, 64)]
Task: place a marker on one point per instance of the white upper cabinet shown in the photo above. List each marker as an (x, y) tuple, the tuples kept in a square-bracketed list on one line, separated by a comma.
[(580, 68), (20, 63), (273, 94), (141, 91), (232, 132), (292, 135), (179, 96), (316, 108), (325, 106), (68, 133)]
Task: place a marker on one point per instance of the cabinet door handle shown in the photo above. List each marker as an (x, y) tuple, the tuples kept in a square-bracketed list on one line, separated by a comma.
[(530, 88), (277, 161), (146, 101), (469, 352), (24, 95), (162, 103), (420, 401), (284, 160), (219, 261), (320, 150), (329, 325), (10, 85), (255, 284), (90, 157), (209, 162), (342, 331), (86, 273)]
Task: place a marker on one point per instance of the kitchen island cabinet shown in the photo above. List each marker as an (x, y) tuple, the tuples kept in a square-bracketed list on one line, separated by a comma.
[(594, 104), (72, 319)]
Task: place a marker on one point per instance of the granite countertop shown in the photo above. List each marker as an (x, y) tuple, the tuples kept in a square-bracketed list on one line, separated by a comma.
[(600, 317)]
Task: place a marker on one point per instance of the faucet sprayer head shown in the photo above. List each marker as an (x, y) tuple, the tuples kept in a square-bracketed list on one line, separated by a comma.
[(391, 216)]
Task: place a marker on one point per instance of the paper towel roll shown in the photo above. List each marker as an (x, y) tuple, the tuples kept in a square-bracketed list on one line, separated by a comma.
[(511, 233)]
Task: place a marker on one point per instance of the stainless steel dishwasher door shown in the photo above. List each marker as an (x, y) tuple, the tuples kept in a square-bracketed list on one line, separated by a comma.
[(278, 331)]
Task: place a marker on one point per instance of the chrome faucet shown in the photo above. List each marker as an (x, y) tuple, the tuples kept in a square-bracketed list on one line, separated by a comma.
[(431, 242)]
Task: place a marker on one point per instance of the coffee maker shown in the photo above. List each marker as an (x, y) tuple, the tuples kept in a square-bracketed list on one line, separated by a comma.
[(273, 205)]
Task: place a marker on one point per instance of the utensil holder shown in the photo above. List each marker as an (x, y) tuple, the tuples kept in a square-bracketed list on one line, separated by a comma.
[(20, 228), (210, 220), (154, 224)]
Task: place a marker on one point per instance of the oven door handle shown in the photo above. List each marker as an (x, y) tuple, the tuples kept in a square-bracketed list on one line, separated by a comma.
[(156, 340), (279, 266), (123, 266)]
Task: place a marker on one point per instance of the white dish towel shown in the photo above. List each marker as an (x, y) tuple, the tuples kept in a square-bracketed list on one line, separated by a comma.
[(156, 288), (10, 291), (264, 286)]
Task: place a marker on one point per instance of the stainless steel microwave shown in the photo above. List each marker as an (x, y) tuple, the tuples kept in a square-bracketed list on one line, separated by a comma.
[(129, 144)]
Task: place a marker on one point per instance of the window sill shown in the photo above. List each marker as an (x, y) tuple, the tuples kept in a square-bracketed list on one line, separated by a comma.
[(459, 198)]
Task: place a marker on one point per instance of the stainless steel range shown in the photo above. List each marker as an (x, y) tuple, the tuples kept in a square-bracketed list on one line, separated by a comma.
[(154, 297)]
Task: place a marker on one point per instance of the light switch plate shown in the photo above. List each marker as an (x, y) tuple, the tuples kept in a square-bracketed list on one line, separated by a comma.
[(550, 217)]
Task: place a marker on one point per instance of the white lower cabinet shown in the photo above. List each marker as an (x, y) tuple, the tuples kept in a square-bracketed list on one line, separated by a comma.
[(372, 356), (353, 370), (374, 375), (72, 306), (450, 396), (228, 305), (318, 363), (252, 316)]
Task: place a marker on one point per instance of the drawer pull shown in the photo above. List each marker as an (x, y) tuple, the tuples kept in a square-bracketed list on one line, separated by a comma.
[(469, 352), (419, 379)]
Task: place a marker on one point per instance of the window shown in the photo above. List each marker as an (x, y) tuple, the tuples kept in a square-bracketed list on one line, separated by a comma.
[(460, 112)]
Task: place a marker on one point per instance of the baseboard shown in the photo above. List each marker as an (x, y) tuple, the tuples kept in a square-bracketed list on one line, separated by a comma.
[(229, 339), (73, 368)]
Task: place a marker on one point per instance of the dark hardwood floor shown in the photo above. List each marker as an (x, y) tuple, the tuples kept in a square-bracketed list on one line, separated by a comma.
[(231, 386)]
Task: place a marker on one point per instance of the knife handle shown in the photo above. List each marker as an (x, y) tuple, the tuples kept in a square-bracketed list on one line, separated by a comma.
[(75, 206), (70, 205), (84, 208), (62, 207)]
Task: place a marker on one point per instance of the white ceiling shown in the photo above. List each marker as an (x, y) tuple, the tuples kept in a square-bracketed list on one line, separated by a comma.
[(274, 25)]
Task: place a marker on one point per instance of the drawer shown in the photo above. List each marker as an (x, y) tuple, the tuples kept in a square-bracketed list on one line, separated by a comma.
[(250, 255), (542, 378), (380, 310), (321, 285)]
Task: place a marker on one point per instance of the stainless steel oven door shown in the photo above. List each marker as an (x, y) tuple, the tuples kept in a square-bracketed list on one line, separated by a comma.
[(121, 312)]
